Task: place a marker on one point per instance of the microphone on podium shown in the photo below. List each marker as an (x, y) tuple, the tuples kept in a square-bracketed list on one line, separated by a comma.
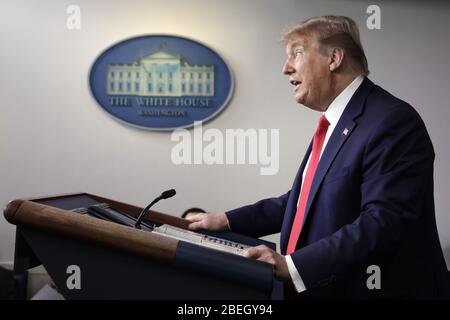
[(166, 194)]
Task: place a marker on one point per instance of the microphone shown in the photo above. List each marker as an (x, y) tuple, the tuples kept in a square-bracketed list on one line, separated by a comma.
[(166, 194)]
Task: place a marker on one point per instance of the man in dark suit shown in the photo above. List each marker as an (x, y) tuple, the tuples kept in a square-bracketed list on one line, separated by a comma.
[(362, 202)]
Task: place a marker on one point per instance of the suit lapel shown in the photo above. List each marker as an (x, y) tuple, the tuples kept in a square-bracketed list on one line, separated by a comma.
[(332, 148), (291, 206), (342, 131)]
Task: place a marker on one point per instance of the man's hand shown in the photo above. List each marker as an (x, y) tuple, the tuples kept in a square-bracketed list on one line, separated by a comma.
[(266, 254), (208, 221)]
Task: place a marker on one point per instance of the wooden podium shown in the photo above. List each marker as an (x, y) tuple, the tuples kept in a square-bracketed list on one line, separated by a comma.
[(120, 262)]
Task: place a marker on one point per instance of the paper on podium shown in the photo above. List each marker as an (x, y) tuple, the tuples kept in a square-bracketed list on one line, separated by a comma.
[(47, 293)]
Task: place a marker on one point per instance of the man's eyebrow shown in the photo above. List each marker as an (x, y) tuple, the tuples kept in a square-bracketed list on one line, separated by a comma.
[(297, 45)]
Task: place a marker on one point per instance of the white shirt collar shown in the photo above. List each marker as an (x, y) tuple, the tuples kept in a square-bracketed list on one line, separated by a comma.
[(338, 105)]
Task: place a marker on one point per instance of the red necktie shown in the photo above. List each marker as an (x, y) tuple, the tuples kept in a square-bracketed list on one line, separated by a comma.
[(319, 138)]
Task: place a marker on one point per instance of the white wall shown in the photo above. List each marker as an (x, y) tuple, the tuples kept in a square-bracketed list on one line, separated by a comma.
[(55, 139)]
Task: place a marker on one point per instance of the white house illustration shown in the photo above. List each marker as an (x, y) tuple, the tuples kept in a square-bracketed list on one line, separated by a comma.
[(160, 74)]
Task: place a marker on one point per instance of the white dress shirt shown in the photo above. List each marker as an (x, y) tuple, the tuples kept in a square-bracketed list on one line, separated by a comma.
[(333, 114)]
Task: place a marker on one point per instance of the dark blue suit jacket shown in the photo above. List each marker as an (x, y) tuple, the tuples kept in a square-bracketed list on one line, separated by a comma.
[(371, 203)]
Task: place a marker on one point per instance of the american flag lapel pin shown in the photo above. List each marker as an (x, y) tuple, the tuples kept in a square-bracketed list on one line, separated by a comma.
[(345, 132)]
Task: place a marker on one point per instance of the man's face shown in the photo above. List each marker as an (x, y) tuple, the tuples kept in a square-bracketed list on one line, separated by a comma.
[(309, 72)]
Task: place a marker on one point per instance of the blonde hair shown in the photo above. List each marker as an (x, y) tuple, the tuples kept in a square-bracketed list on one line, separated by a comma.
[(334, 31)]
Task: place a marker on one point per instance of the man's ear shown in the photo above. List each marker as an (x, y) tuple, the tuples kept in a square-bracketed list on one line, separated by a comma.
[(336, 58)]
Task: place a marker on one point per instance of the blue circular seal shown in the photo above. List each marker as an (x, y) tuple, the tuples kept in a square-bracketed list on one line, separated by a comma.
[(161, 82)]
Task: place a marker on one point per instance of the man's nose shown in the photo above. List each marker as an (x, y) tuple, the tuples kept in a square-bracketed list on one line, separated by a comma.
[(287, 68)]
